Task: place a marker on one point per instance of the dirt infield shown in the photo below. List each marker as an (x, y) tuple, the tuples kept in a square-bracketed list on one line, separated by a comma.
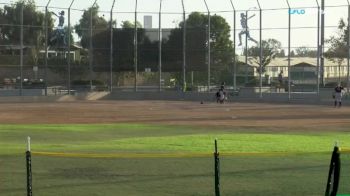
[(179, 113)]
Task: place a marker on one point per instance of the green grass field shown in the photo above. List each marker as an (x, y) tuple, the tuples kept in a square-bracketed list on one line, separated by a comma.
[(301, 170)]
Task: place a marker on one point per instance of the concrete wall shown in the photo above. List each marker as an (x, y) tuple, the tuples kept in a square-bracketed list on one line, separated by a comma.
[(25, 92)]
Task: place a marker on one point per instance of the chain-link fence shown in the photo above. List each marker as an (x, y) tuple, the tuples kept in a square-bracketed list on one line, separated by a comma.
[(51, 47)]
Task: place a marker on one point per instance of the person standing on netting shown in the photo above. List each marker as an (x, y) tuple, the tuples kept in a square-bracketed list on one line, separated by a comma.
[(60, 27), (245, 29), (338, 95)]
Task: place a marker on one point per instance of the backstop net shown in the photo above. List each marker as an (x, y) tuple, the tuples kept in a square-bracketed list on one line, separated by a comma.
[(190, 46)]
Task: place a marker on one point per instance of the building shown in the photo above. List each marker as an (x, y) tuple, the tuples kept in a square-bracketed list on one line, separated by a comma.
[(303, 69)]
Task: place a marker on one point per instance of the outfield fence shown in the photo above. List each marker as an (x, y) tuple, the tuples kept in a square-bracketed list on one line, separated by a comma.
[(337, 182)]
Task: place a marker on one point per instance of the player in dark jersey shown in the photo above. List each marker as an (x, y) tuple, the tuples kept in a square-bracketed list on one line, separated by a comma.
[(338, 95), (245, 29)]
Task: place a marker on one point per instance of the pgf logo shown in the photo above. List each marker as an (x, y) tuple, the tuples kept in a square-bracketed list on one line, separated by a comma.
[(297, 11)]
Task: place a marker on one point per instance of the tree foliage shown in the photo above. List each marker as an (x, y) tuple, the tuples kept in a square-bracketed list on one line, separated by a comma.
[(338, 49), (305, 52), (270, 47), (128, 24), (90, 16), (33, 26)]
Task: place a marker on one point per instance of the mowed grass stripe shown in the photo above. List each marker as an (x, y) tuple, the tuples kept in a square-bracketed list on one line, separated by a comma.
[(114, 138)]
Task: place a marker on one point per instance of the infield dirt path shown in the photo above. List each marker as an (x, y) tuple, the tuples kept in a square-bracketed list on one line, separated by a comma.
[(279, 117)]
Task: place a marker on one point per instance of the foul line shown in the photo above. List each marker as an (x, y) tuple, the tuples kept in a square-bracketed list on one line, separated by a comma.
[(344, 150), (170, 155)]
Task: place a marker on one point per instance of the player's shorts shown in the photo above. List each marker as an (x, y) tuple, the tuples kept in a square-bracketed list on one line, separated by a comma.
[(338, 96)]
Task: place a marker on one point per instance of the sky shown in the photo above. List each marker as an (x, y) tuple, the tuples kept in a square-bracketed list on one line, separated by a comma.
[(275, 22)]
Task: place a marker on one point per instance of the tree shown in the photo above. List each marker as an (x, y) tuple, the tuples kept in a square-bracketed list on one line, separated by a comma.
[(197, 47), (123, 48), (2, 21), (129, 24), (33, 30), (292, 53), (99, 24), (305, 52), (338, 49), (270, 49), (281, 53), (221, 45)]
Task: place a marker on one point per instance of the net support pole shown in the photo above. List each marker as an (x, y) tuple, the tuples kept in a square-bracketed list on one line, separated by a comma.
[(111, 48), (46, 44), (322, 42), (135, 48), (334, 173), (289, 56), (184, 48), (69, 48), (160, 46), (91, 47), (217, 170), (234, 74), (348, 59), (246, 51), (21, 51), (318, 49), (260, 50), (29, 169), (208, 37)]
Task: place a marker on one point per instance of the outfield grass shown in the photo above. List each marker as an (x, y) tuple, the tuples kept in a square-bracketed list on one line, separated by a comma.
[(269, 174)]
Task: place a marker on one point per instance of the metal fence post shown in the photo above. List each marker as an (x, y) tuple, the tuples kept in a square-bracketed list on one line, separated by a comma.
[(29, 169), (217, 170), (334, 173)]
